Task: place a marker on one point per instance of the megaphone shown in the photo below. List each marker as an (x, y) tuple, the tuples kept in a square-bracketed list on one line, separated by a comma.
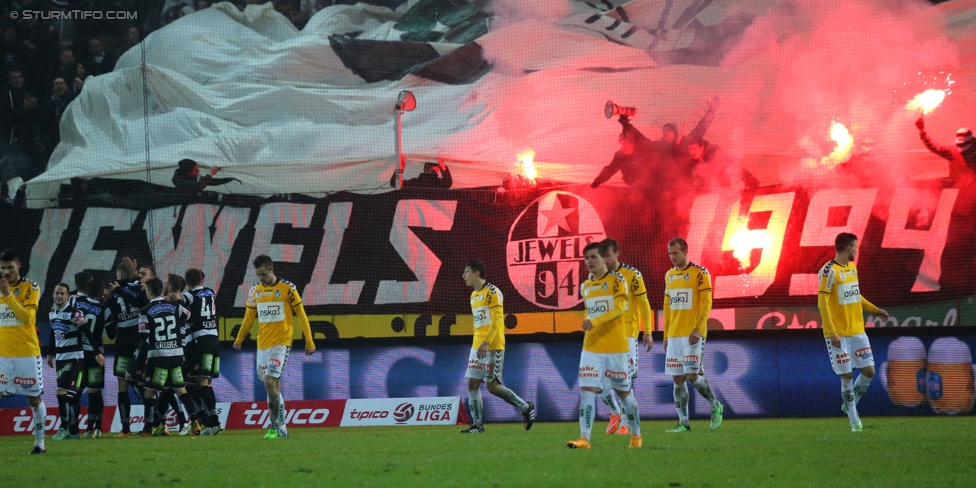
[(612, 109), (405, 102)]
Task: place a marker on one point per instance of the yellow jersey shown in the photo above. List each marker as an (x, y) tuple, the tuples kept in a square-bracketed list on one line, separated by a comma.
[(606, 302), (489, 317), (687, 301), (274, 307), (638, 308), (839, 300), (18, 318)]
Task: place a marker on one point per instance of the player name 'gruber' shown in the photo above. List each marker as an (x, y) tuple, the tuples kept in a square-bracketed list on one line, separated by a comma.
[(551, 249)]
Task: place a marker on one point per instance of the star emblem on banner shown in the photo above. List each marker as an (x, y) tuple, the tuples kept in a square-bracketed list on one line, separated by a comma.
[(556, 216)]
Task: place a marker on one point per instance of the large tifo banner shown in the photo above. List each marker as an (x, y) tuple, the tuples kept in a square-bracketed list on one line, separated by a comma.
[(390, 265), (783, 375)]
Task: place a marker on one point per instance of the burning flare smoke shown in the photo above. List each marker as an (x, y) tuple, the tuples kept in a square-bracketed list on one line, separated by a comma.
[(926, 101), (525, 166)]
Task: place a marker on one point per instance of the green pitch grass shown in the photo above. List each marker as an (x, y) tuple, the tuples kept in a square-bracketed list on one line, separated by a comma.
[(911, 452)]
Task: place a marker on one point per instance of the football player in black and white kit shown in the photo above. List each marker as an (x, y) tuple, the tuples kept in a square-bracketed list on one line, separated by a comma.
[(135, 371), (173, 289), (66, 355), (128, 297), (202, 351), (164, 324), (89, 303)]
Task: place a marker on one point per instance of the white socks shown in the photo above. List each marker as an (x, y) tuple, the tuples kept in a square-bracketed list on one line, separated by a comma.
[(512, 399), (282, 425), (702, 386), (475, 402), (40, 414), (587, 404), (847, 392), (681, 402), (274, 406), (611, 402), (861, 385), (633, 415)]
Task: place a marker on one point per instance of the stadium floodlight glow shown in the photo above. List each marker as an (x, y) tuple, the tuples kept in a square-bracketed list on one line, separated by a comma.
[(406, 102)]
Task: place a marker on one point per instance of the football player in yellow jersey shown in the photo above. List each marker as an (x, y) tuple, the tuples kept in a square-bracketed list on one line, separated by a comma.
[(842, 310), (687, 304), (20, 350), (603, 362), (638, 317), (273, 302), (487, 358)]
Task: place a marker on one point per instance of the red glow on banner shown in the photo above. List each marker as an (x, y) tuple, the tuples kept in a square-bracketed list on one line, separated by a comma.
[(526, 167), (843, 144), (743, 241)]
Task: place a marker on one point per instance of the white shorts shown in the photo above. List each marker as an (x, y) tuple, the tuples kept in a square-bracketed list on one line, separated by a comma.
[(854, 352), (486, 369), (271, 362), (632, 360), (21, 376), (682, 358), (604, 370)]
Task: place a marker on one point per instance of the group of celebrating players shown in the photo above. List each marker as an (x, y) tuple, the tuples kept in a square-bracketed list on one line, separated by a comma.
[(164, 333), (617, 310)]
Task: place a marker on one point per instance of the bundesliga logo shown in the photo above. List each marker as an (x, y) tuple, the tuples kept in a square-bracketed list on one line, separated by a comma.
[(403, 412), (545, 249)]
